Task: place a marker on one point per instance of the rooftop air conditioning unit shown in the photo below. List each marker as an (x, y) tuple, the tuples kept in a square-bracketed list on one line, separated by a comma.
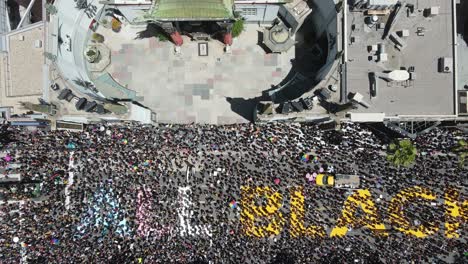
[(445, 64)]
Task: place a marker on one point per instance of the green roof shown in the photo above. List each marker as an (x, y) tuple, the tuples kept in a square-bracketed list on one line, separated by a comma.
[(192, 10)]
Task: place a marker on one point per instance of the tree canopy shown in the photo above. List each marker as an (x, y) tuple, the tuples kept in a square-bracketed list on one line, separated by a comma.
[(462, 150), (402, 153)]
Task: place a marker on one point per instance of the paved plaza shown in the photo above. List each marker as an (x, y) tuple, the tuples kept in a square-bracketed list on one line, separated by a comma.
[(189, 88)]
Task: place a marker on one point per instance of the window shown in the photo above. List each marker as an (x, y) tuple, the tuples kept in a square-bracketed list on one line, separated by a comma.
[(249, 11)]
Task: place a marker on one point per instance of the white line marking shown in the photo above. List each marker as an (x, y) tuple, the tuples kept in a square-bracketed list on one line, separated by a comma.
[(69, 182)]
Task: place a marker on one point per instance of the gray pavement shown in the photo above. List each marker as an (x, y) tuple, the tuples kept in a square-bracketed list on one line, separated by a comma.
[(189, 88)]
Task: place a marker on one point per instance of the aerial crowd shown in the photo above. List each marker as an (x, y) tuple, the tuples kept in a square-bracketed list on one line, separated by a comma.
[(132, 193)]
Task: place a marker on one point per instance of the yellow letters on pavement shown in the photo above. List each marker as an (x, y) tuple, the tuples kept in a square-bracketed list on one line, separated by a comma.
[(363, 199)]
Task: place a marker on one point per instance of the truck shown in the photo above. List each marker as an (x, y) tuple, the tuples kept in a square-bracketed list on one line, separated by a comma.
[(341, 181)]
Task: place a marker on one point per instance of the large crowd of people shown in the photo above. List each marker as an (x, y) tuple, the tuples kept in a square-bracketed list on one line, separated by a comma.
[(130, 193)]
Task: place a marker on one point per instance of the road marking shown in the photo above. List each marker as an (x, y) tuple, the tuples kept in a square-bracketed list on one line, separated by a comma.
[(70, 181), (185, 213)]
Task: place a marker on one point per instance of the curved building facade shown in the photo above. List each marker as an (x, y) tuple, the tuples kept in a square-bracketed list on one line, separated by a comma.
[(69, 32), (314, 38)]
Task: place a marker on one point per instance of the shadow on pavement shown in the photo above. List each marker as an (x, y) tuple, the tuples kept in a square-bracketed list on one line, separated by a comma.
[(243, 107), (152, 30)]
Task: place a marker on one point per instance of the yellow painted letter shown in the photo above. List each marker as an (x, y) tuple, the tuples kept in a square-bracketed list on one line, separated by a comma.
[(251, 212), (297, 217), (455, 212), (363, 199), (397, 214)]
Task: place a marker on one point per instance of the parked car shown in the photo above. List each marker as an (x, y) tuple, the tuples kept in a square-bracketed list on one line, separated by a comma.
[(343, 181)]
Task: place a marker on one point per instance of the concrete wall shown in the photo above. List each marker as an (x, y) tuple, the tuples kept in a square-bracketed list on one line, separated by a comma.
[(264, 13)]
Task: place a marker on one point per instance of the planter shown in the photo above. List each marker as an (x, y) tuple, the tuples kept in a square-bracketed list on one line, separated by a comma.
[(105, 23), (96, 37), (92, 54), (116, 25)]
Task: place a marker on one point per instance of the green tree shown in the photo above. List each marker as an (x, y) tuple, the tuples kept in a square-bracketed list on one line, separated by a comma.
[(402, 153), (97, 37), (237, 27), (51, 9), (161, 36), (462, 150), (50, 56)]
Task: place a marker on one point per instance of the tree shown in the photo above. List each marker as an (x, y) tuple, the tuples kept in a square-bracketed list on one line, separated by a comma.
[(97, 37), (162, 36), (116, 25), (41, 108), (92, 54), (81, 4), (462, 150), (50, 56), (402, 153), (85, 84), (237, 27), (51, 9)]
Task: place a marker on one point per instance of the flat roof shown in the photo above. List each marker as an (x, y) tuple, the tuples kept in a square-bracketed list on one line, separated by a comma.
[(25, 61), (432, 92), (21, 77)]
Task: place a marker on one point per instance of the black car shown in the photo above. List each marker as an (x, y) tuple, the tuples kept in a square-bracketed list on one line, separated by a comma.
[(55, 86)]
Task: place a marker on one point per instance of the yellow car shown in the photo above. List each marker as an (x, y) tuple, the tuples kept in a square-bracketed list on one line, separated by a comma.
[(338, 181), (327, 180)]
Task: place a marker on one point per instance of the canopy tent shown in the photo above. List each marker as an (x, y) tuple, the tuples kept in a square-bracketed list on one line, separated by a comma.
[(192, 10)]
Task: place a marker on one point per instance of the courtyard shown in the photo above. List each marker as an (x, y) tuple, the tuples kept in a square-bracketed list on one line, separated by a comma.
[(186, 87)]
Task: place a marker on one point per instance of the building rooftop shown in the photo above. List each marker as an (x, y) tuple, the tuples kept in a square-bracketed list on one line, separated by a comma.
[(192, 9), (21, 77), (426, 39)]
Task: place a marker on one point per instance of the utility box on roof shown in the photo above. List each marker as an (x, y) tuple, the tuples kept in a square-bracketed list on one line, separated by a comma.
[(445, 64), (433, 11)]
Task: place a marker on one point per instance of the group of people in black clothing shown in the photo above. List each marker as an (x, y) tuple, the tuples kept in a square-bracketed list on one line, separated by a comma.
[(132, 193)]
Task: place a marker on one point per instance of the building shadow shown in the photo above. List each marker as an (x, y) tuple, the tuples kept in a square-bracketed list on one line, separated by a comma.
[(311, 54), (335, 108), (260, 38), (13, 13), (462, 20), (152, 30), (243, 107), (294, 90)]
